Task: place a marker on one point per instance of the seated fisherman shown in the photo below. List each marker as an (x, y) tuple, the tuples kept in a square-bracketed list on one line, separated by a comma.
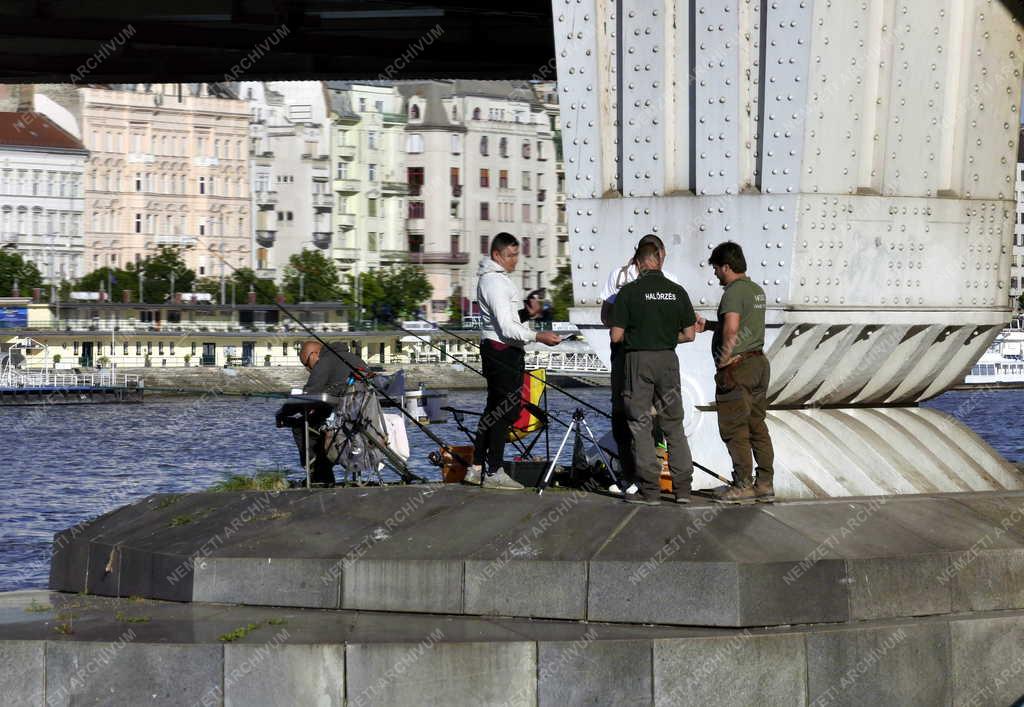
[(328, 373)]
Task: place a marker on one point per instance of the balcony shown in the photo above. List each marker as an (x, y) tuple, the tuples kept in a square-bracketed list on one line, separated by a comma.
[(266, 198), (346, 221), (415, 225), (266, 237), (322, 239), (323, 202), (394, 256), (456, 190), (346, 186), (440, 258), (542, 194), (394, 118), (399, 188), (415, 189), (309, 157), (205, 162), (346, 152), (180, 241), (139, 158), (349, 255)]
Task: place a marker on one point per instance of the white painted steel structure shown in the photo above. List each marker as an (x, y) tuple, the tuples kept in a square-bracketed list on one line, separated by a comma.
[(862, 152)]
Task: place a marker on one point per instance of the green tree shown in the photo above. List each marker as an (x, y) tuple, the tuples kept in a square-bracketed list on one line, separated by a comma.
[(156, 273), (244, 278), (561, 294), (1020, 302), (113, 281), (15, 268), (391, 293), (321, 282)]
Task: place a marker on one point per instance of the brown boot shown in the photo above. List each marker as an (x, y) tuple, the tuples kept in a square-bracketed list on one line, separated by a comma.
[(764, 491), (736, 494)]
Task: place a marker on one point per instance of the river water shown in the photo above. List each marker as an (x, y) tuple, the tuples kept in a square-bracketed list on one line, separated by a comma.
[(68, 463)]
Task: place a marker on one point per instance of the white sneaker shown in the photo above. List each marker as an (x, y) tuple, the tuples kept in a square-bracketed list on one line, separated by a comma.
[(473, 472), (501, 480)]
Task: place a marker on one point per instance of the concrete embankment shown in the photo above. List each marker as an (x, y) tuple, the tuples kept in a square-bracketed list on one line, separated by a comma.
[(255, 380)]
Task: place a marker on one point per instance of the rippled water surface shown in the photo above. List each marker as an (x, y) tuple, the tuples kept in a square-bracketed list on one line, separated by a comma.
[(67, 463)]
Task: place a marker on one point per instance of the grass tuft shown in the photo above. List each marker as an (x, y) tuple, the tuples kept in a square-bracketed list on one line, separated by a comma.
[(265, 480), (240, 632)]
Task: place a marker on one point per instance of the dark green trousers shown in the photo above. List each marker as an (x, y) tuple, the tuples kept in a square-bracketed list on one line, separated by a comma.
[(652, 384), (741, 398)]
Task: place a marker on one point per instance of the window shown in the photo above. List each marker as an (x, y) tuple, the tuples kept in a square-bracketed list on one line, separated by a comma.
[(483, 244), (138, 223), (414, 112), (540, 252), (453, 209), (483, 145), (526, 213), (525, 243), (171, 348), (455, 113), (503, 147), (526, 180), (160, 348), (526, 279), (503, 179), (202, 185), (342, 170), (149, 347), (485, 178), (476, 114), (193, 348), (414, 177), (526, 149), (371, 172), (485, 211), (540, 150), (415, 243), (371, 242), (416, 209), (372, 138), (284, 344), (291, 216), (453, 176), (371, 208), (124, 350), (414, 143), (362, 104), (138, 348), (540, 213), (202, 229), (456, 140)]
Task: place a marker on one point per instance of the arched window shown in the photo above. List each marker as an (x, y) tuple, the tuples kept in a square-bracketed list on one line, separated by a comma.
[(483, 146), (526, 149), (414, 112), (476, 114)]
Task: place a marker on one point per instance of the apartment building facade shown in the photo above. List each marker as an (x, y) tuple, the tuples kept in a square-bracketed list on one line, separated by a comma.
[(288, 145), (42, 178), (168, 166), (480, 160), (369, 178)]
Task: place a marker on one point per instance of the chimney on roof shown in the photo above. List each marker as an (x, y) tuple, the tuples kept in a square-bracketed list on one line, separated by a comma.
[(26, 98)]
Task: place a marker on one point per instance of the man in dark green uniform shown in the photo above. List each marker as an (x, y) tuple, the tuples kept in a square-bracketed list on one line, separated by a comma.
[(743, 373), (651, 316)]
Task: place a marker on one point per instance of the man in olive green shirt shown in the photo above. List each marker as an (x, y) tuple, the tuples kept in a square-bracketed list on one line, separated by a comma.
[(650, 317), (742, 377)]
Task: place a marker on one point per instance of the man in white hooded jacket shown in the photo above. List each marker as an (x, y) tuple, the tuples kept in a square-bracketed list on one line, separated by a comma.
[(503, 336)]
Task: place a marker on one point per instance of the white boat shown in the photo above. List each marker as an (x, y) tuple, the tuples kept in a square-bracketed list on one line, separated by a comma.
[(1003, 363)]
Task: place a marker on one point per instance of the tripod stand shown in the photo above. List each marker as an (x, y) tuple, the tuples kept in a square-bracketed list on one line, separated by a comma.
[(579, 422)]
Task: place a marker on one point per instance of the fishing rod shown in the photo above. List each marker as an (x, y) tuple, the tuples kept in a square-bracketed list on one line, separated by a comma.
[(561, 390), (696, 464)]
